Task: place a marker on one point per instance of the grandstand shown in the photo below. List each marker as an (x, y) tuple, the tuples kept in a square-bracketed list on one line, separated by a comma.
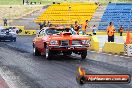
[(68, 13), (47, 2), (119, 13)]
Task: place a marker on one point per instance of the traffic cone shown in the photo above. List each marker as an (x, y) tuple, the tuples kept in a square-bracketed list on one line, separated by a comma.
[(128, 38)]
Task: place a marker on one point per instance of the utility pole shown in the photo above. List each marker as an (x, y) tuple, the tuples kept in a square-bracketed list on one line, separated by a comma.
[(23, 2)]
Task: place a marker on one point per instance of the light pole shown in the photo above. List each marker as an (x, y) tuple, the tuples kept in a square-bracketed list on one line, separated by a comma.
[(23, 1)]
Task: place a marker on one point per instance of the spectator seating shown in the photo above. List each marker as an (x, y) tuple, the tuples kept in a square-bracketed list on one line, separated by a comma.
[(68, 13), (119, 14)]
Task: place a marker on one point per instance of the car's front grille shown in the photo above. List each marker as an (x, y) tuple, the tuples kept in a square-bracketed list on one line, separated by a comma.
[(64, 42), (76, 42)]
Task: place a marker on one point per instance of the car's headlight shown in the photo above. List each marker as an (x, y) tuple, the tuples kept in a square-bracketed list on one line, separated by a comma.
[(85, 42), (53, 42)]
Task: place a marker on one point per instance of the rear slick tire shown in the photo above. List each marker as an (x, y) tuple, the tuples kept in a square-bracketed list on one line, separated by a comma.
[(83, 55)]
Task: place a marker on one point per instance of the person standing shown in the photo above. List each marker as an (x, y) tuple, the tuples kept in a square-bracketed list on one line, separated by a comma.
[(84, 27), (110, 32), (94, 30), (48, 24), (121, 30), (40, 26), (5, 21), (44, 23), (76, 27)]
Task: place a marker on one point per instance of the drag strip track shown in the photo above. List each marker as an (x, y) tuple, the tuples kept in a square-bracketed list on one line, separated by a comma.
[(21, 69)]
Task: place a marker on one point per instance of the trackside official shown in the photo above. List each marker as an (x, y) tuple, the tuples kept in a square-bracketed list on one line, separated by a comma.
[(76, 27), (110, 32), (121, 30), (84, 27)]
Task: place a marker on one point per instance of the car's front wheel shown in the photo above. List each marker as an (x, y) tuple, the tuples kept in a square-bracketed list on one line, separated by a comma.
[(36, 52), (84, 54), (47, 54)]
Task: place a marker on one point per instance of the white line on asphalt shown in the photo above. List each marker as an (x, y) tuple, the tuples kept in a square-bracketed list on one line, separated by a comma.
[(122, 56), (92, 51), (109, 54), (126, 57), (116, 55), (104, 53)]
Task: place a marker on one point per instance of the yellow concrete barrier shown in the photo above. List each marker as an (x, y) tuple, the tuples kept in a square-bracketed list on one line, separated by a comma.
[(94, 43), (28, 32), (120, 48), (114, 48)]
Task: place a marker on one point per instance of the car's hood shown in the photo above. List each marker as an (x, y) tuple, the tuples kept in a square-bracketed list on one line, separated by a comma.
[(65, 36)]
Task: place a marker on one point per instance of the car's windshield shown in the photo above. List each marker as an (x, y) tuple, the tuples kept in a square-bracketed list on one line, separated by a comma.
[(58, 31)]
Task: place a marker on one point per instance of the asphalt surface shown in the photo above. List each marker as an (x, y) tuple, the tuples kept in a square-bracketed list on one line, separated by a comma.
[(20, 69)]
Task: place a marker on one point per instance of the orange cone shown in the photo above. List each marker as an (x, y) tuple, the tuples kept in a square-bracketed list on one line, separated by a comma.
[(128, 38)]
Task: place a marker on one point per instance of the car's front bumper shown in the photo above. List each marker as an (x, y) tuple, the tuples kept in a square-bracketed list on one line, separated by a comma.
[(67, 48)]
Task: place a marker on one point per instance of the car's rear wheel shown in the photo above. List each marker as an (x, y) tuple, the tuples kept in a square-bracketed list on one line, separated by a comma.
[(36, 52), (83, 55)]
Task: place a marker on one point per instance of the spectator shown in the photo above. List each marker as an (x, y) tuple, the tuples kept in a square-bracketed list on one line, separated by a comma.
[(27, 2), (44, 23), (40, 26), (121, 30), (31, 3), (72, 26), (5, 21), (94, 30), (48, 24), (84, 27), (110, 32), (16, 30), (76, 27)]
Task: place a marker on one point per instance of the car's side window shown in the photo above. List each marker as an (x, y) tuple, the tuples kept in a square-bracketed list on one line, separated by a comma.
[(41, 33), (72, 31)]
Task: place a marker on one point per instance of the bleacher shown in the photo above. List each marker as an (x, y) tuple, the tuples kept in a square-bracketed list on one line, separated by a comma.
[(68, 13), (119, 13)]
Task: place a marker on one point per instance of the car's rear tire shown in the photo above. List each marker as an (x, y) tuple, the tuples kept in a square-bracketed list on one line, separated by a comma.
[(36, 52), (83, 55)]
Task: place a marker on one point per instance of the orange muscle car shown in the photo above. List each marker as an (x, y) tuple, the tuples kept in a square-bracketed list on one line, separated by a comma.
[(60, 40)]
